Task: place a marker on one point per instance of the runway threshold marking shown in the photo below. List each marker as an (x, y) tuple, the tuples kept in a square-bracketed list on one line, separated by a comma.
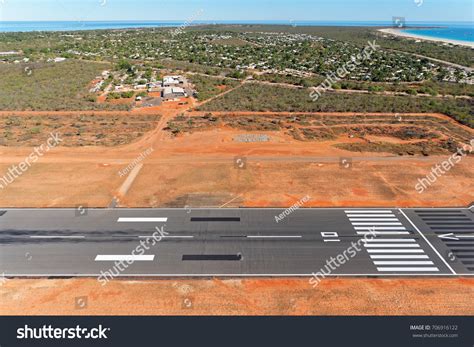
[(407, 269), (393, 245), (129, 257), (403, 262), (390, 254), (142, 220), (395, 251), (390, 240), (398, 256)]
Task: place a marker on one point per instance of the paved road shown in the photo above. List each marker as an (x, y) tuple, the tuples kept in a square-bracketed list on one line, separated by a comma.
[(237, 242)]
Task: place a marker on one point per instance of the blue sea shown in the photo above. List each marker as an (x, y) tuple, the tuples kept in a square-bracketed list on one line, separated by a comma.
[(458, 33), (462, 31)]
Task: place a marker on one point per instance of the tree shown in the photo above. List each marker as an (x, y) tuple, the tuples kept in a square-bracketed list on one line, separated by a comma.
[(124, 64)]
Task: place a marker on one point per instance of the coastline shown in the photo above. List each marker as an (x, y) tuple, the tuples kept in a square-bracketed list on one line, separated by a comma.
[(401, 33)]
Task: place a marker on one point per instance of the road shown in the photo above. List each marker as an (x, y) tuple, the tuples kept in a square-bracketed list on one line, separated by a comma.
[(237, 242)]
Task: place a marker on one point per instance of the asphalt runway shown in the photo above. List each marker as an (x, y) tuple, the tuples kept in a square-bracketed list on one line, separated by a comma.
[(237, 242)]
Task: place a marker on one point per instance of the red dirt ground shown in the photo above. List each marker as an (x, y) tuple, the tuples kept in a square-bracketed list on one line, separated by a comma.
[(239, 297)]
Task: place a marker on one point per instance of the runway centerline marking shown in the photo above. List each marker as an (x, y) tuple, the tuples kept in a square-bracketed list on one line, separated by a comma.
[(129, 257), (142, 220), (167, 237), (274, 237), (57, 237)]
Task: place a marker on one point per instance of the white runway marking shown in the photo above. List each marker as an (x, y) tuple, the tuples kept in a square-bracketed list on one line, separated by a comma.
[(57, 237), (128, 257), (373, 219), (424, 237), (395, 262), (167, 237), (376, 224), (391, 245), (141, 220), (368, 211), (383, 233), (390, 240), (391, 252), (397, 256), (401, 228), (274, 237), (408, 269), (395, 251), (370, 215)]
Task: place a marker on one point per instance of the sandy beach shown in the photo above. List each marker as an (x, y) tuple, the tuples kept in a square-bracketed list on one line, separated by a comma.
[(400, 32)]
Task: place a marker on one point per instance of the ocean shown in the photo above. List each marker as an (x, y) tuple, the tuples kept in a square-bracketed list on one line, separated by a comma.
[(461, 31), (458, 33)]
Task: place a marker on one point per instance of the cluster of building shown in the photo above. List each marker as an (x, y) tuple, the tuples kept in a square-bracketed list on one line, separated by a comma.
[(170, 87), (99, 82), (173, 87)]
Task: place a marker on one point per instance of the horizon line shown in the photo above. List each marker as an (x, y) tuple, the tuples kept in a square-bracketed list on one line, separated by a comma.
[(239, 20)]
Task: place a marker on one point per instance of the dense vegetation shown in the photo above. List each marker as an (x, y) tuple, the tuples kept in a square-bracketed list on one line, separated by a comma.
[(360, 36), (192, 67), (253, 97), (301, 56), (49, 86), (208, 87)]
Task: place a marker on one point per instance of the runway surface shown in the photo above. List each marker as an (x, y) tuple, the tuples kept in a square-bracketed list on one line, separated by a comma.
[(237, 242)]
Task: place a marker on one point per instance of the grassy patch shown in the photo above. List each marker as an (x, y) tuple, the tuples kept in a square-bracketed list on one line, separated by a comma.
[(208, 87), (49, 86), (75, 130)]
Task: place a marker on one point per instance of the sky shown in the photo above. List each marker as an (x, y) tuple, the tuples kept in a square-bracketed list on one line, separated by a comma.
[(316, 10)]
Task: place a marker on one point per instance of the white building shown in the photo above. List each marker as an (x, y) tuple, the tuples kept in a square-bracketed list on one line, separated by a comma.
[(174, 92), (171, 81)]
